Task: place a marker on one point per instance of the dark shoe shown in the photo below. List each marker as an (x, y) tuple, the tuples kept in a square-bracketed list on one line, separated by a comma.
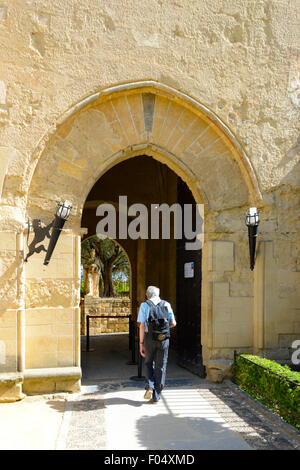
[(148, 394)]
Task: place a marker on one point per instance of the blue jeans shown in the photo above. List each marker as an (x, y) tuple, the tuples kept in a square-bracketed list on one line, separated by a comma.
[(156, 364)]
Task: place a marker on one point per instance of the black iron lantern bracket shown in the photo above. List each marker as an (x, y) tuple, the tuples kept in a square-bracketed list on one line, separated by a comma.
[(252, 222), (41, 232), (61, 216)]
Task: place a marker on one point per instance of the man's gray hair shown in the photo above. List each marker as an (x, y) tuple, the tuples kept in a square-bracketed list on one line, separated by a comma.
[(152, 290)]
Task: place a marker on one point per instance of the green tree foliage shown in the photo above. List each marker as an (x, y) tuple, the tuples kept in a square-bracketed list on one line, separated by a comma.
[(113, 263)]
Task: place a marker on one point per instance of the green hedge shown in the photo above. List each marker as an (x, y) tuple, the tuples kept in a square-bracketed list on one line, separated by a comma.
[(272, 390)]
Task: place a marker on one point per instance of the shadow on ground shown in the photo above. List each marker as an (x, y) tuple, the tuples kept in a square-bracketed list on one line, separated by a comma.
[(163, 432), (107, 374)]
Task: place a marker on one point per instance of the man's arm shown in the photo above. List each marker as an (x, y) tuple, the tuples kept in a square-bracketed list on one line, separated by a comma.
[(172, 321), (142, 339)]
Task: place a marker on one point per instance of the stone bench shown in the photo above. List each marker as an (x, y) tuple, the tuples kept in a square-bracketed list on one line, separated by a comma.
[(15, 385), (52, 380), (11, 387)]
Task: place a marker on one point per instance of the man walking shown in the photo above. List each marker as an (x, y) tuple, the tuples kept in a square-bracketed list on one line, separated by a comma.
[(156, 317)]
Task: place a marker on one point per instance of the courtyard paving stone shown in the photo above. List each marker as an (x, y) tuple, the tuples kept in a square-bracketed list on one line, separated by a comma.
[(110, 412)]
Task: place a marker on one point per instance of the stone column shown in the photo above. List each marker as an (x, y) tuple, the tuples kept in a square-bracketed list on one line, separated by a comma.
[(52, 318), (77, 319), (264, 294), (226, 306), (12, 315), (21, 301)]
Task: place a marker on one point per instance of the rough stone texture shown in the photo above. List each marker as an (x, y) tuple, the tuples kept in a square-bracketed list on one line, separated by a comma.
[(243, 40), (12, 393), (255, 428), (212, 91), (86, 429), (11, 387), (119, 306)]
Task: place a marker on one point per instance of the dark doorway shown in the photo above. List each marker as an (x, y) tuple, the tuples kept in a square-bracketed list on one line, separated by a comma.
[(188, 297), (156, 261)]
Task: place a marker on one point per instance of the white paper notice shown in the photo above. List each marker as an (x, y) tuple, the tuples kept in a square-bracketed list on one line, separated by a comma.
[(189, 269)]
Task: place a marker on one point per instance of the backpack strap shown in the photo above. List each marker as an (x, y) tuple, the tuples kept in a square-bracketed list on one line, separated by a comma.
[(150, 304)]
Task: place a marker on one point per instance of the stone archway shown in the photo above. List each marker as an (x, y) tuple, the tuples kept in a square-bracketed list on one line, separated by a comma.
[(148, 117), (113, 125)]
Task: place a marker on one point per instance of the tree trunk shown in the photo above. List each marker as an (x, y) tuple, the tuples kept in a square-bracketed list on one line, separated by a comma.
[(101, 292), (109, 290)]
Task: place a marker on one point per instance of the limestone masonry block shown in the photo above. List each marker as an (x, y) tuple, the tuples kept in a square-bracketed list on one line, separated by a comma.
[(11, 387), (210, 89), (221, 255), (106, 306)]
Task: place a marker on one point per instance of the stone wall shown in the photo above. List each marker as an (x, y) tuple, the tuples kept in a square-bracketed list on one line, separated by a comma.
[(118, 306), (209, 88)]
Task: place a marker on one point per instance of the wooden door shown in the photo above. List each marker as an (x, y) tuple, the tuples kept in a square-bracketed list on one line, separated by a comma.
[(188, 297)]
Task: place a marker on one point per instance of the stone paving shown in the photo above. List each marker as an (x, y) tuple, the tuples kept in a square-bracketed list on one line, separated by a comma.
[(110, 412), (259, 431), (194, 413), (219, 419)]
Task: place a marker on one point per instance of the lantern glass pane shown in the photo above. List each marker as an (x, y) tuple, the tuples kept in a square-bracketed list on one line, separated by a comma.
[(64, 209), (252, 218), (59, 209)]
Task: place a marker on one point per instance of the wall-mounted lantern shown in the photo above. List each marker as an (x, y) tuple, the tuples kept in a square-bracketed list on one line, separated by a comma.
[(62, 214), (252, 222)]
